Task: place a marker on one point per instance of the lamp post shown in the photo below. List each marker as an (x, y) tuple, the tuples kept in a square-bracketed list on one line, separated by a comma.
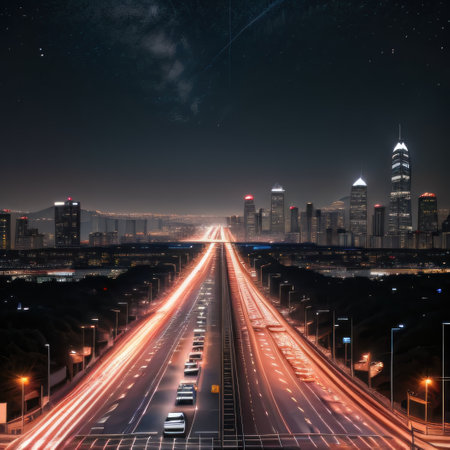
[(93, 338), (318, 312), (126, 317), (82, 346), (117, 311), (427, 382), (334, 335), (398, 328), (349, 319), (48, 372), (23, 380), (443, 375), (306, 319)]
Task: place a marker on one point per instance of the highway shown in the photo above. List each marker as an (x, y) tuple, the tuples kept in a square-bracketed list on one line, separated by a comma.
[(287, 393), (114, 397)]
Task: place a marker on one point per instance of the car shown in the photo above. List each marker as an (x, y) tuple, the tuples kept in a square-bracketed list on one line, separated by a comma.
[(197, 348), (175, 424), (199, 332), (186, 393), (191, 368), (198, 342), (195, 356)]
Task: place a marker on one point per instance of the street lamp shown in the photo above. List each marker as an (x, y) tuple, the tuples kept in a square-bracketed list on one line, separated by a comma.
[(398, 328), (23, 380), (427, 381), (82, 343), (126, 317), (306, 319), (48, 373), (319, 311), (117, 311), (93, 338), (350, 319), (443, 375)]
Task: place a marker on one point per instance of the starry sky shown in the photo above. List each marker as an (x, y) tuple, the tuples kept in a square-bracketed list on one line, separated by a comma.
[(176, 106)]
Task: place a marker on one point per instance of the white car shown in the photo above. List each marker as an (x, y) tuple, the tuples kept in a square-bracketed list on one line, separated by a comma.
[(186, 393), (175, 424)]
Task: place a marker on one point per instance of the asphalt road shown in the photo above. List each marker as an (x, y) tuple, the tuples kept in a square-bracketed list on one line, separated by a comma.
[(280, 390), (146, 393)]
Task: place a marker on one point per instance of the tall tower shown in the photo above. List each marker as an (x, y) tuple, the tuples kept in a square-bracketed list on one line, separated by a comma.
[(67, 223), (358, 211), (400, 219), (378, 220), (294, 219), (277, 220), (5, 230), (428, 215), (249, 217)]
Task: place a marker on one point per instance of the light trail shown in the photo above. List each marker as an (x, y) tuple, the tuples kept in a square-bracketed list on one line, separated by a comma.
[(61, 421), (306, 364)]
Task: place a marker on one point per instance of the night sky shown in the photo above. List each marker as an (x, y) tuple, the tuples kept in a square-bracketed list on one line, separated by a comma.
[(143, 106)]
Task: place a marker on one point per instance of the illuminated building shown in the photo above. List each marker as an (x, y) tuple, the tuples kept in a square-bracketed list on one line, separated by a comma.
[(5, 230), (428, 214), (67, 223), (103, 239), (358, 212), (277, 221), (307, 223), (263, 220), (294, 219), (250, 218), (27, 238), (400, 219)]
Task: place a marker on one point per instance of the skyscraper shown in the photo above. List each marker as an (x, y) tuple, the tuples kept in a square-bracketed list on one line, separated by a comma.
[(428, 214), (5, 230), (378, 220), (67, 223), (277, 221), (27, 238), (250, 218), (294, 219), (358, 212), (400, 220)]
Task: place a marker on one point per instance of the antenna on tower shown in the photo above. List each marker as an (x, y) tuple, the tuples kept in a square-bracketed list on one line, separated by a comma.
[(399, 132)]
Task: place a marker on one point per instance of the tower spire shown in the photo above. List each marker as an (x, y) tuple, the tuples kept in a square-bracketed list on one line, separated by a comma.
[(399, 132)]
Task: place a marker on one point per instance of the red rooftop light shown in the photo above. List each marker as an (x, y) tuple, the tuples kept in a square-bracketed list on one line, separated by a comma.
[(292, 207), (248, 197), (428, 194), (69, 199), (378, 206)]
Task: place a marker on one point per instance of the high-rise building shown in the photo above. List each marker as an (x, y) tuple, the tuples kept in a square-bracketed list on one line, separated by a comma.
[(400, 219), (307, 223), (428, 213), (277, 221), (294, 219), (5, 230), (358, 211), (250, 219), (378, 220), (446, 225), (67, 223), (263, 220), (27, 238)]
